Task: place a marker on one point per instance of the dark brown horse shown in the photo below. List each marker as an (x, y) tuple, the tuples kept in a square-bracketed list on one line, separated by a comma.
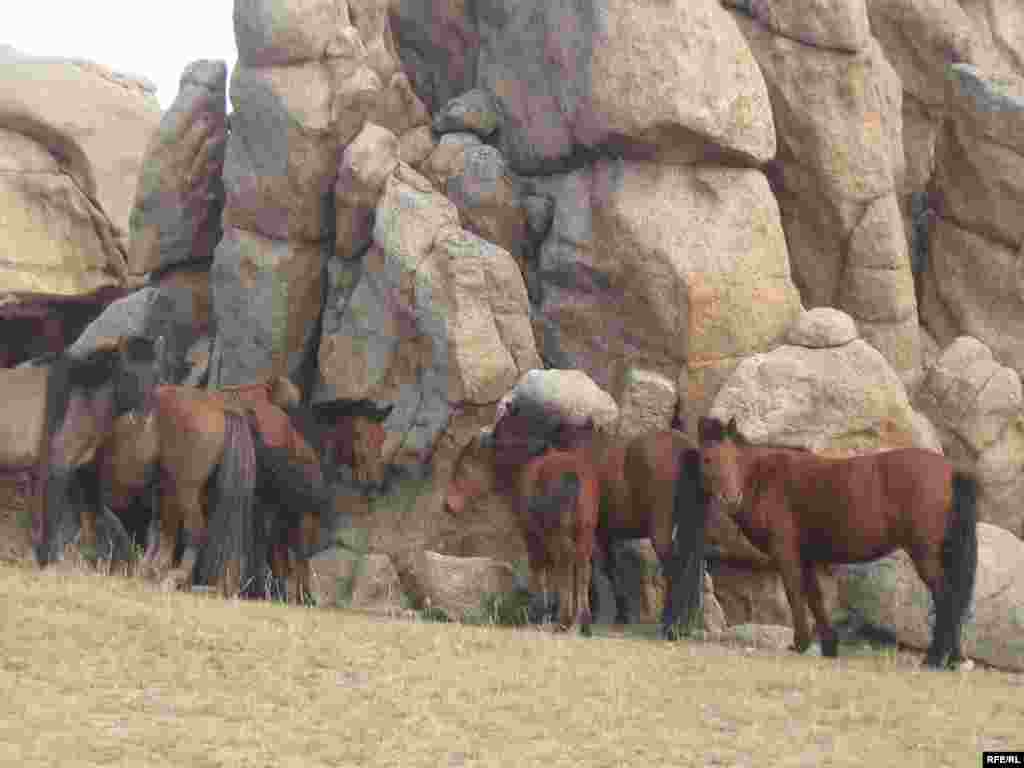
[(805, 509), (560, 495), (650, 487), (195, 435), (54, 415)]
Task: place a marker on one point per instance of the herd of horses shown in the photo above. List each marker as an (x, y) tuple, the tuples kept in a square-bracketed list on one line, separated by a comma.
[(227, 488)]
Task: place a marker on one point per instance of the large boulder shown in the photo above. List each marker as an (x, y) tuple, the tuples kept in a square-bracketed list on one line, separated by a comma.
[(431, 316), (458, 585), (837, 399), (72, 139), (676, 83), (266, 299), (669, 268), (343, 578), (889, 595), (977, 405), (840, 164), (569, 397), (972, 283), (171, 310), (180, 194)]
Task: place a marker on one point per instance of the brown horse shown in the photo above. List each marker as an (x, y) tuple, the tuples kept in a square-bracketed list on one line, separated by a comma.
[(805, 509), (650, 487), (560, 494), (55, 414), (189, 439)]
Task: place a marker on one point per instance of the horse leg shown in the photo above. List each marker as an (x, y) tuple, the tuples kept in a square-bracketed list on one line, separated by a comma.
[(309, 540), (829, 638), (89, 479), (583, 574), (929, 568), (187, 500), (790, 570)]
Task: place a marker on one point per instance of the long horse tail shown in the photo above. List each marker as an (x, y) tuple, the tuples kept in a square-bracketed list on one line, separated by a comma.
[(292, 487), (233, 527), (689, 518), (959, 559)]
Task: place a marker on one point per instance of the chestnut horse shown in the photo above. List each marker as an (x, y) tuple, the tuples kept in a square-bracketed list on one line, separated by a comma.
[(805, 509), (560, 497), (56, 412), (649, 487), (190, 437)]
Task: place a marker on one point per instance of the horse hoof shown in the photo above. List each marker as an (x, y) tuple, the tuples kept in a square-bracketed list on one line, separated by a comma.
[(830, 648)]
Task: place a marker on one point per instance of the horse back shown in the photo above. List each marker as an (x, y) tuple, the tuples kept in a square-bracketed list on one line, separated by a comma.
[(856, 508)]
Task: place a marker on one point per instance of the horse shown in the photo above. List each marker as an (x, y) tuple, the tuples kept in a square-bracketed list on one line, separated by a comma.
[(649, 487), (195, 433), (805, 509), (561, 496), (55, 414)]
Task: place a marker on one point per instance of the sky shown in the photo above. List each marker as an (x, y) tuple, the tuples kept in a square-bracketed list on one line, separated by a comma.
[(139, 37)]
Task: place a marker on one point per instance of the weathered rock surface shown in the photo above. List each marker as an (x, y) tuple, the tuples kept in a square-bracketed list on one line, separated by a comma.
[(346, 579), (973, 282), (72, 138), (180, 195), (840, 163), (432, 315), (822, 328), (978, 408), (662, 267), (758, 596), (889, 595), (458, 585), (266, 298), (571, 397), (834, 400), (622, 75)]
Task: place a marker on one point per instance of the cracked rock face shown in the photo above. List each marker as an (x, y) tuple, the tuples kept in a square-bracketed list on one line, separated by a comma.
[(72, 138)]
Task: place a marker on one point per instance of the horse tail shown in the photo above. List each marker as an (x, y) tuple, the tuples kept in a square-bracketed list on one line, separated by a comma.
[(233, 535), (959, 556), (293, 487), (52, 508), (689, 518)]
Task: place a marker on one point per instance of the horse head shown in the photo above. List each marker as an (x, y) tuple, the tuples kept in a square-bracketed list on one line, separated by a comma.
[(721, 467), (141, 368)]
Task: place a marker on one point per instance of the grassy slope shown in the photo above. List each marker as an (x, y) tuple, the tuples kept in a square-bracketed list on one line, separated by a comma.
[(106, 671)]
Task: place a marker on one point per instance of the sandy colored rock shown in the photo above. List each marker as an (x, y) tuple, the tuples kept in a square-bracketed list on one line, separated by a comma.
[(676, 81), (888, 594), (836, 400), (346, 579), (266, 299), (366, 164), (822, 328), (95, 123), (458, 585), (694, 276), (432, 315), (180, 195), (838, 24), (569, 395), (647, 401)]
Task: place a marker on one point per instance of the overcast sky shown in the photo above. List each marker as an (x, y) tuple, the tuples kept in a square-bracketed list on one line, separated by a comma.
[(141, 37)]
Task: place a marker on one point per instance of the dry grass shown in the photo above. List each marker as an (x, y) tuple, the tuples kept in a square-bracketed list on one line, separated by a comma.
[(107, 671)]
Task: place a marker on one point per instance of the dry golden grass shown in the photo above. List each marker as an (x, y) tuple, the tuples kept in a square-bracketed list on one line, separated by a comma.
[(108, 671)]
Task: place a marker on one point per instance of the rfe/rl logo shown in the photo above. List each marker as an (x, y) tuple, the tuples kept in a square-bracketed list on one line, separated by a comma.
[(1002, 758)]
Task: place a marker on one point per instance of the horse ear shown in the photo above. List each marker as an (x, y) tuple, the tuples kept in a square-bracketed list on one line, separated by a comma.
[(731, 429)]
